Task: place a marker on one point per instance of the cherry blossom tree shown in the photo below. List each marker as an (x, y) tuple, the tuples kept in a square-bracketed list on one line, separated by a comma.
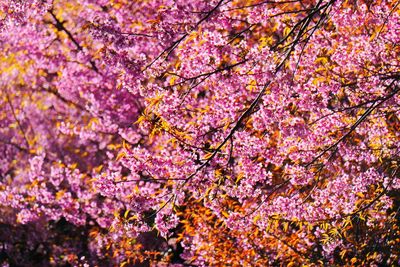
[(203, 133)]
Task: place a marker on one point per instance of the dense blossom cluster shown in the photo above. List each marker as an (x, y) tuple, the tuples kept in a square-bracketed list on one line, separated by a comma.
[(204, 133)]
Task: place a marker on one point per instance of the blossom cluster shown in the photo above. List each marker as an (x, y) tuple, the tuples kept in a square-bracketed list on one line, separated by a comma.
[(247, 133)]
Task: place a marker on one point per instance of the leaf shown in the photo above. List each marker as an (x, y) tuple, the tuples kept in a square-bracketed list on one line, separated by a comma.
[(121, 155), (225, 214), (317, 81), (360, 194), (286, 31), (285, 226), (334, 232), (239, 177), (263, 42), (325, 238), (256, 218), (342, 254), (126, 213), (172, 80), (322, 60), (252, 85), (60, 194), (141, 119), (207, 156)]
